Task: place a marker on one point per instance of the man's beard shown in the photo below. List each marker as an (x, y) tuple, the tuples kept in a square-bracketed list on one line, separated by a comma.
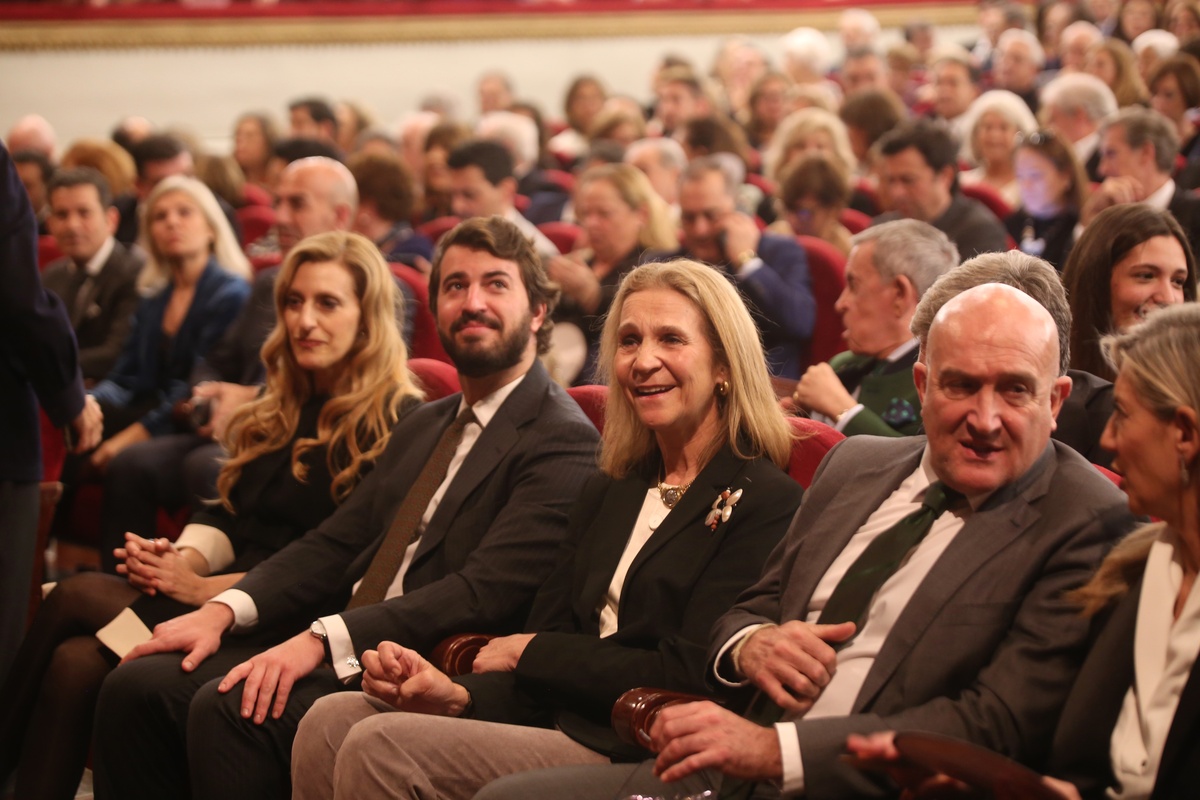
[(476, 360)]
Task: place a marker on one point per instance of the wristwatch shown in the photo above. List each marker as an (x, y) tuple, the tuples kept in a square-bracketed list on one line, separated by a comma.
[(317, 629)]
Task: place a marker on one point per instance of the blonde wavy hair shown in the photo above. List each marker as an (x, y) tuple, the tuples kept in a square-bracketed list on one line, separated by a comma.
[(635, 191), (357, 420), (1160, 360), (798, 126), (225, 246), (754, 425)]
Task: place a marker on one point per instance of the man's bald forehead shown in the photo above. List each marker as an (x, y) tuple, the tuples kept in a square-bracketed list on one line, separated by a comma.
[(325, 175), (998, 304)]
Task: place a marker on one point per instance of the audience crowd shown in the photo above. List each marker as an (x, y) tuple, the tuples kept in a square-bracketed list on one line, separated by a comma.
[(575, 383)]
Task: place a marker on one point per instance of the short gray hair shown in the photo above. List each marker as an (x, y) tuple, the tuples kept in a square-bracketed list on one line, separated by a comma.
[(1021, 36), (724, 164), (909, 247), (1142, 125), (1163, 43), (670, 152), (809, 48), (1079, 91), (1030, 274)]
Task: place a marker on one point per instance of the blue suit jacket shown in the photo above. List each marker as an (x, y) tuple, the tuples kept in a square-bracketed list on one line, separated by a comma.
[(39, 362), (780, 300), (141, 372)]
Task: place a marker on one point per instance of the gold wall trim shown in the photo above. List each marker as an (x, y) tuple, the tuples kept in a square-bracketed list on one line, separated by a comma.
[(267, 31)]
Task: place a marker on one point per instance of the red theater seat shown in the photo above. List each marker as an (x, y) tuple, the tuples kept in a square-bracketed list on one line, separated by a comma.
[(827, 271)]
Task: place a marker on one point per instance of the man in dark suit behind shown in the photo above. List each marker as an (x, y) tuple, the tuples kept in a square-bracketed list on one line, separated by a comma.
[(97, 276), (1137, 156), (771, 271), (38, 366), (969, 636), (486, 542)]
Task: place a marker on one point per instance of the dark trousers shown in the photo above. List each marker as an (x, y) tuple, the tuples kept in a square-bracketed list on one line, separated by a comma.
[(165, 472), (153, 719), (18, 527)]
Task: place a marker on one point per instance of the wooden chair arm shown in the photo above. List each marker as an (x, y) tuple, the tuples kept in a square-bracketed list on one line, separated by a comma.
[(455, 654), (634, 712)]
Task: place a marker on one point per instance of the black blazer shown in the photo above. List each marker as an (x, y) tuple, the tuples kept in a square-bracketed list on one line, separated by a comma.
[(485, 552), (38, 359), (685, 576), (103, 326), (1081, 743)]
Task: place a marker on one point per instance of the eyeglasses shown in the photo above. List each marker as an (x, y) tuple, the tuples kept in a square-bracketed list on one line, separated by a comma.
[(1036, 139)]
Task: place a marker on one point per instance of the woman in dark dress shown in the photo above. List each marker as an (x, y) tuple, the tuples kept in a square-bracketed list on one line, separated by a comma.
[(1052, 186), (337, 381)]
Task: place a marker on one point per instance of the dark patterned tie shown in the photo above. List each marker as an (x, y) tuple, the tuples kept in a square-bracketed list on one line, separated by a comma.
[(390, 556), (851, 598)]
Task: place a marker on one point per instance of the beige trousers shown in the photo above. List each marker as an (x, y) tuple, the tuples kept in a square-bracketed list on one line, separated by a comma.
[(350, 745)]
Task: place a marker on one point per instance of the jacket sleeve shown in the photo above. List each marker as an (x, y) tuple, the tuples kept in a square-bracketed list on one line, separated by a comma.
[(781, 288), (588, 673), (41, 344)]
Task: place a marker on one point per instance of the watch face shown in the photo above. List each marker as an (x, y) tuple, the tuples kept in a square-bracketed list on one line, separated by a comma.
[(317, 630)]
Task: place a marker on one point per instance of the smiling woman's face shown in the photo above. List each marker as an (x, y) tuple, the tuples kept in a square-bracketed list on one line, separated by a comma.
[(1150, 276)]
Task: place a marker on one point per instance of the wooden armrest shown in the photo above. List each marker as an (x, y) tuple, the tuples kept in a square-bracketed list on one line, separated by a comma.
[(455, 654), (634, 712)]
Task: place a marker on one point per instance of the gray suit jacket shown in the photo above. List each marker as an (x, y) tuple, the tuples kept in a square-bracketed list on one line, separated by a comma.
[(491, 543), (987, 648), (103, 322)]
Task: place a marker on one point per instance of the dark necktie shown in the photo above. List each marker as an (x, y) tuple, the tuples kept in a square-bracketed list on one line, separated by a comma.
[(81, 283), (851, 598), (851, 375), (386, 563)]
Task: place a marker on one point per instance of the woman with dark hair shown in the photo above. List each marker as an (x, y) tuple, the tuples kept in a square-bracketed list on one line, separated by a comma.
[(1174, 91), (689, 504), (583, 103), (337, 381), (1135, 17), (769, 102), (1131, 260), (1052, 187), (441, 141), (813, 194), (254, 139)]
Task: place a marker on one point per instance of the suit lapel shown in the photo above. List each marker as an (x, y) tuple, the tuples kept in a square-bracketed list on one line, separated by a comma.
[(493, 444), (1003, 518), (719, 474), (859, 495), (622, 504)]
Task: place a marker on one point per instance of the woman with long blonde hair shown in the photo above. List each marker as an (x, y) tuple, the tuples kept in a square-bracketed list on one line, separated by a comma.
[(337, 381)]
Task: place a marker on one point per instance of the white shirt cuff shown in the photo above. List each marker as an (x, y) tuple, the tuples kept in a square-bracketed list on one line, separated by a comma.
[(847, 415), (210, 542), (793, 764), (749, 268), (245, 612), (733, 681), (341, 647)]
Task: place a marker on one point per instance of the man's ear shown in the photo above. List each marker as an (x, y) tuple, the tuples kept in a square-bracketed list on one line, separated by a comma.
[(906, 294), (508, 186), (1060, 390), (112, 218), (920, 379)]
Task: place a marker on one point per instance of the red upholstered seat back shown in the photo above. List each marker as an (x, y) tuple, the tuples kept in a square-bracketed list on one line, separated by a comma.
[(563, 234), (592, 400), (425, 341), (437, 228), (827, 271), (437, 378), (815, 440)]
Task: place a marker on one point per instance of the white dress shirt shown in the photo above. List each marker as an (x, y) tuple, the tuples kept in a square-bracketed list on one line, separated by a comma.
[(1163, 655), (341, 647)]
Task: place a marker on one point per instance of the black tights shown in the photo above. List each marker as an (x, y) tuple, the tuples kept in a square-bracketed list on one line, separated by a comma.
[(49, 697)]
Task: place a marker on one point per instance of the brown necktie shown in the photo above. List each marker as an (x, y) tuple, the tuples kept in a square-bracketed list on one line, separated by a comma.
[(390, 556)]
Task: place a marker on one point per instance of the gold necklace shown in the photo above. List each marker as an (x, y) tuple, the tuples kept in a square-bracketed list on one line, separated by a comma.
[(671, 495)]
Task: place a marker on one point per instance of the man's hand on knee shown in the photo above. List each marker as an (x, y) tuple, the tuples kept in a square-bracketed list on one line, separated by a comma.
[(270, 676), (197, 634)]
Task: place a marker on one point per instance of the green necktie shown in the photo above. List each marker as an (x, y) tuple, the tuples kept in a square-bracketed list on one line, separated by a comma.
[(851, 598)]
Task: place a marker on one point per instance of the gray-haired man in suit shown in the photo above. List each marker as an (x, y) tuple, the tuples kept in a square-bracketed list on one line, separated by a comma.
[(969, 636), (486, 540)]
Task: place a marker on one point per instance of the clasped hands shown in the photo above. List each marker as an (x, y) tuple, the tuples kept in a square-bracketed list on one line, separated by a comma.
[(402, 678), (790, 663), (155, 565)]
